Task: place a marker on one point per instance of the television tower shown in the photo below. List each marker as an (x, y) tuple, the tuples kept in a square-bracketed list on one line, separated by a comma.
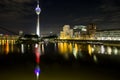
[(38, 10)]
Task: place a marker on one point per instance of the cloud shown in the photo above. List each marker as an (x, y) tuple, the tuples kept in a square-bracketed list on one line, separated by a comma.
[(21, 12), (22, 1), (110, 5), (17, 1), (15, 8)]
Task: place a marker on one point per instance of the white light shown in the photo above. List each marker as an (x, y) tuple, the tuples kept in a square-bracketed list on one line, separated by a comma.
[(75, 53), (43, 48), (36, 45), (84, 29), (22, 48), (109, 50), (102, 49), (95, 58), (115, 50)]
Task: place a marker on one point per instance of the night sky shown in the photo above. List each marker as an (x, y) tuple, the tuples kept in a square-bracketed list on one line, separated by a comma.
[(16, 15)]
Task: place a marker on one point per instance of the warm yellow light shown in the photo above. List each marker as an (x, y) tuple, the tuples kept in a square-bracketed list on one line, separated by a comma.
[(7, 48), (65, 48), (89, 49), (60, 47), (43, 48), (70, 48)]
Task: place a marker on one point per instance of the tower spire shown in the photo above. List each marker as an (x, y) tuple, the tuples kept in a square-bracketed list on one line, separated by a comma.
[(37, 1)]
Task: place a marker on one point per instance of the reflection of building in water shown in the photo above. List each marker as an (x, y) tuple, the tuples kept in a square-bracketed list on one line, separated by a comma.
[(108, 50), (115, 50), (10, 39), (75, 49), (80, 50), (7, 42), (78, 32), (89, 49), (8, 48), (108, 34), (65, 48), (102, 50)]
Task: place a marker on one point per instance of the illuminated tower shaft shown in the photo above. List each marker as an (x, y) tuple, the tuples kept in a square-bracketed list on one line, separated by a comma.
[(38, 10), (38, 26)]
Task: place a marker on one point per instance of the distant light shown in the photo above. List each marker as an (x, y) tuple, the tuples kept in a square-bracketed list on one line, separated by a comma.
[(51, 32), (1, 34)]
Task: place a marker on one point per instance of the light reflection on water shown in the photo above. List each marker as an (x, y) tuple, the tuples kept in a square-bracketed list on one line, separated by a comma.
[(37, 54), (61, 48), (77, 50), (9, 48)]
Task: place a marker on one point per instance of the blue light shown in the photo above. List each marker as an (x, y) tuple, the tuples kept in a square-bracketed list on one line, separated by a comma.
[(37, 70), (38, 9)]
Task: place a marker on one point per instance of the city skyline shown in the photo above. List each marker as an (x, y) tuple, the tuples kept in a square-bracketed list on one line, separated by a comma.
[(16, 15)]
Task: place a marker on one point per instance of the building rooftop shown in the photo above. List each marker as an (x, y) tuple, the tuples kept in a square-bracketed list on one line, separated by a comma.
[(109, 30)]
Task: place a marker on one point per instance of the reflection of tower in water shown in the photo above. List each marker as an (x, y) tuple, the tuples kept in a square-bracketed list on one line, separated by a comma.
[(37, 54), (37, 47)]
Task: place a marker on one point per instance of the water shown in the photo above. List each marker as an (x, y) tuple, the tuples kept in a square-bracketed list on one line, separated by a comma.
[(59, 61)]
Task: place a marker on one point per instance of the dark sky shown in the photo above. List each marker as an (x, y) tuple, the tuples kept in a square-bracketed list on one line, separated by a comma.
[(18, 15)]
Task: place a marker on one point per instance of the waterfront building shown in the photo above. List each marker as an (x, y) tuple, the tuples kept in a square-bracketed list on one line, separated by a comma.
[(67, 33), (109, 34), (84, 32), (91, 30), (78, 32)]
